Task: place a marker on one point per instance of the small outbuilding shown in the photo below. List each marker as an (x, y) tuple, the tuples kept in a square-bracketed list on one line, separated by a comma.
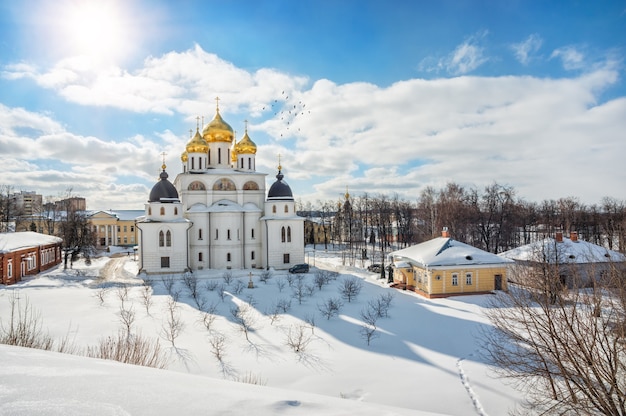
[(27, 253), (444, 267)]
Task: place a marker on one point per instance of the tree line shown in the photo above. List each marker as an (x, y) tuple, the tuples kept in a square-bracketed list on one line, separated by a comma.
[(493, 219)]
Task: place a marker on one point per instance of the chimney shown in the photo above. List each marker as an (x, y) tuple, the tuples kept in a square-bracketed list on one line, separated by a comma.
[(559, 237), (445, 233), (573, 235)]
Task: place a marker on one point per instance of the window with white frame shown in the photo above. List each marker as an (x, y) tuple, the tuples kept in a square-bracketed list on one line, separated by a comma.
[(468, 278), (455, 279)]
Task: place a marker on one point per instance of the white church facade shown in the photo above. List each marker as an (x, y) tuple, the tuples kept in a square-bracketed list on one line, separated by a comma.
[(216, 214)]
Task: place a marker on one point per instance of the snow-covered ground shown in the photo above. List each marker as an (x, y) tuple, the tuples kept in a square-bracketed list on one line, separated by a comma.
[(424, 358)]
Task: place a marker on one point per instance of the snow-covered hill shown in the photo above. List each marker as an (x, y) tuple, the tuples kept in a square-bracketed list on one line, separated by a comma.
[(422, 359)]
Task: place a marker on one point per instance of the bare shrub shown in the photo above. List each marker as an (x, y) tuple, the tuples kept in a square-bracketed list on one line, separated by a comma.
[(191, 282), (250, 378), (310, 320), (127, 318), (133, 349), (369, 315), (283, 305), (25, 325), (281, 283), (173, 325), (228, 277), (238, 286), (290, 278), (298, 338), (299, 290), (265, 276), (381, 305), (168, 283), (250, 300), (208, 315), (350, 287), (146, 297), (122, 293), (221, 292), (244, 317), (330, 307), (218, 346), (211, 285), (101, 294)]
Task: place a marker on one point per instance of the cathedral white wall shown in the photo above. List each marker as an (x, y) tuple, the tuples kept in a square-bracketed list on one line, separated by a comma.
[(151, 252)]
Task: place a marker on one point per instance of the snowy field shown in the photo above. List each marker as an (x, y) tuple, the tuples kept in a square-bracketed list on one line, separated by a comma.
[(423, 358)]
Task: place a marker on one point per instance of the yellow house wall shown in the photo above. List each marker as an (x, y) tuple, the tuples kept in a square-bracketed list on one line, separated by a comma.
[(483, 280)]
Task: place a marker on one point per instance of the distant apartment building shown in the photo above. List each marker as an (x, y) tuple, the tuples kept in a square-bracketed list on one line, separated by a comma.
[(26, 203)]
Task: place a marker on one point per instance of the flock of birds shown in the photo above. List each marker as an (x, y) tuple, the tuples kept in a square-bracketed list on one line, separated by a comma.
[(287, 112)]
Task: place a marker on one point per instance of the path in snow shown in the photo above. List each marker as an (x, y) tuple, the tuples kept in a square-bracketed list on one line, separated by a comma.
[(114, 271), (472, 394)]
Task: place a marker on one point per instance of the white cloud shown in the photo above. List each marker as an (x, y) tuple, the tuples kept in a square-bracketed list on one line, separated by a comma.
[(571, 57), (465, 58), (546, 137), (524, 51)]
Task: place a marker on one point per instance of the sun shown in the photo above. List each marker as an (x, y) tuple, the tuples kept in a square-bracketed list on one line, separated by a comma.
[(98, 29)]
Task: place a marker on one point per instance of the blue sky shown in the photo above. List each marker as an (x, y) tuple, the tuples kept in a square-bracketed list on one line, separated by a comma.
[(393, 96)]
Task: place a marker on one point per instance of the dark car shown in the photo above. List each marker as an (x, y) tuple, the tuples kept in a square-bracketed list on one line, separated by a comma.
[(299, 268), (374, 268)]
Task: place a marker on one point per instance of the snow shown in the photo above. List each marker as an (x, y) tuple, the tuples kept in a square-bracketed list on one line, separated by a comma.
[(577, 251), (426, 359), (25, 239), (444, 251)]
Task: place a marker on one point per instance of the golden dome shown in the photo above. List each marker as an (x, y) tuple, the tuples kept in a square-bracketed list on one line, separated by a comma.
[(218, 130), (197, 144), (233, 155), (184, 157), (245, 145)]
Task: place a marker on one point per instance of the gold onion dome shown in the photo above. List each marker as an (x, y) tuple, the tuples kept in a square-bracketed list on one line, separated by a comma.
[(197, 144), (245, 145), (184, 157), (218, 130)]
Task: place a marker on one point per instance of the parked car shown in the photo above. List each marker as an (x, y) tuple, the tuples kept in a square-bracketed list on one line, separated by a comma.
[(374, 268), (299, 268)]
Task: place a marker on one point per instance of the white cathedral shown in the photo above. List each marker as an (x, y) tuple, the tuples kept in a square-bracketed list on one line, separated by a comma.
[(216, 215)]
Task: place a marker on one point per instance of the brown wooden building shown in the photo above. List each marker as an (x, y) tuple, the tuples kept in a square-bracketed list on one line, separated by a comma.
[(27, 253)]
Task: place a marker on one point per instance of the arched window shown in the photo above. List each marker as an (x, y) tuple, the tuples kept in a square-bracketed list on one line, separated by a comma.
[(200, 234), (252, 233), (192, 162), (196, 186), (227, 256), (219, 156), (241, 163), (228, 234), (249, 163), (161, 239), (175, 210), (217, 234), (162, 212), (286, 208), (282, 234), (289, 234), (168, 239), (274, 209), (149, 210), (200, 256), (252, 255)]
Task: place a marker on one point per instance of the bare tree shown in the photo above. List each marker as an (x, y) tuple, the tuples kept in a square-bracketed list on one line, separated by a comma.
[(173, 325), (297, 338), (368, 330), (299, 289), (280, 284), (243, 316), (146, 297), (228, 277), (350, 287), (330, 307), (567, 352), (265, 276)]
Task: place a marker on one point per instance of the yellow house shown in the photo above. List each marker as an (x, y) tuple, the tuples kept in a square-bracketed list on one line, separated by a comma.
[(115, 228), (445, 267)]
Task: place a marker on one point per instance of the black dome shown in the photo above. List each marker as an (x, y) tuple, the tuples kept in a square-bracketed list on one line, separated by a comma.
[(163, 189), (279, 189)]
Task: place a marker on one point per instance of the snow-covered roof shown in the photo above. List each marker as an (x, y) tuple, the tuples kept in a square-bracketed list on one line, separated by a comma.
[(16, 241), (577, 251), (444, 251)]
